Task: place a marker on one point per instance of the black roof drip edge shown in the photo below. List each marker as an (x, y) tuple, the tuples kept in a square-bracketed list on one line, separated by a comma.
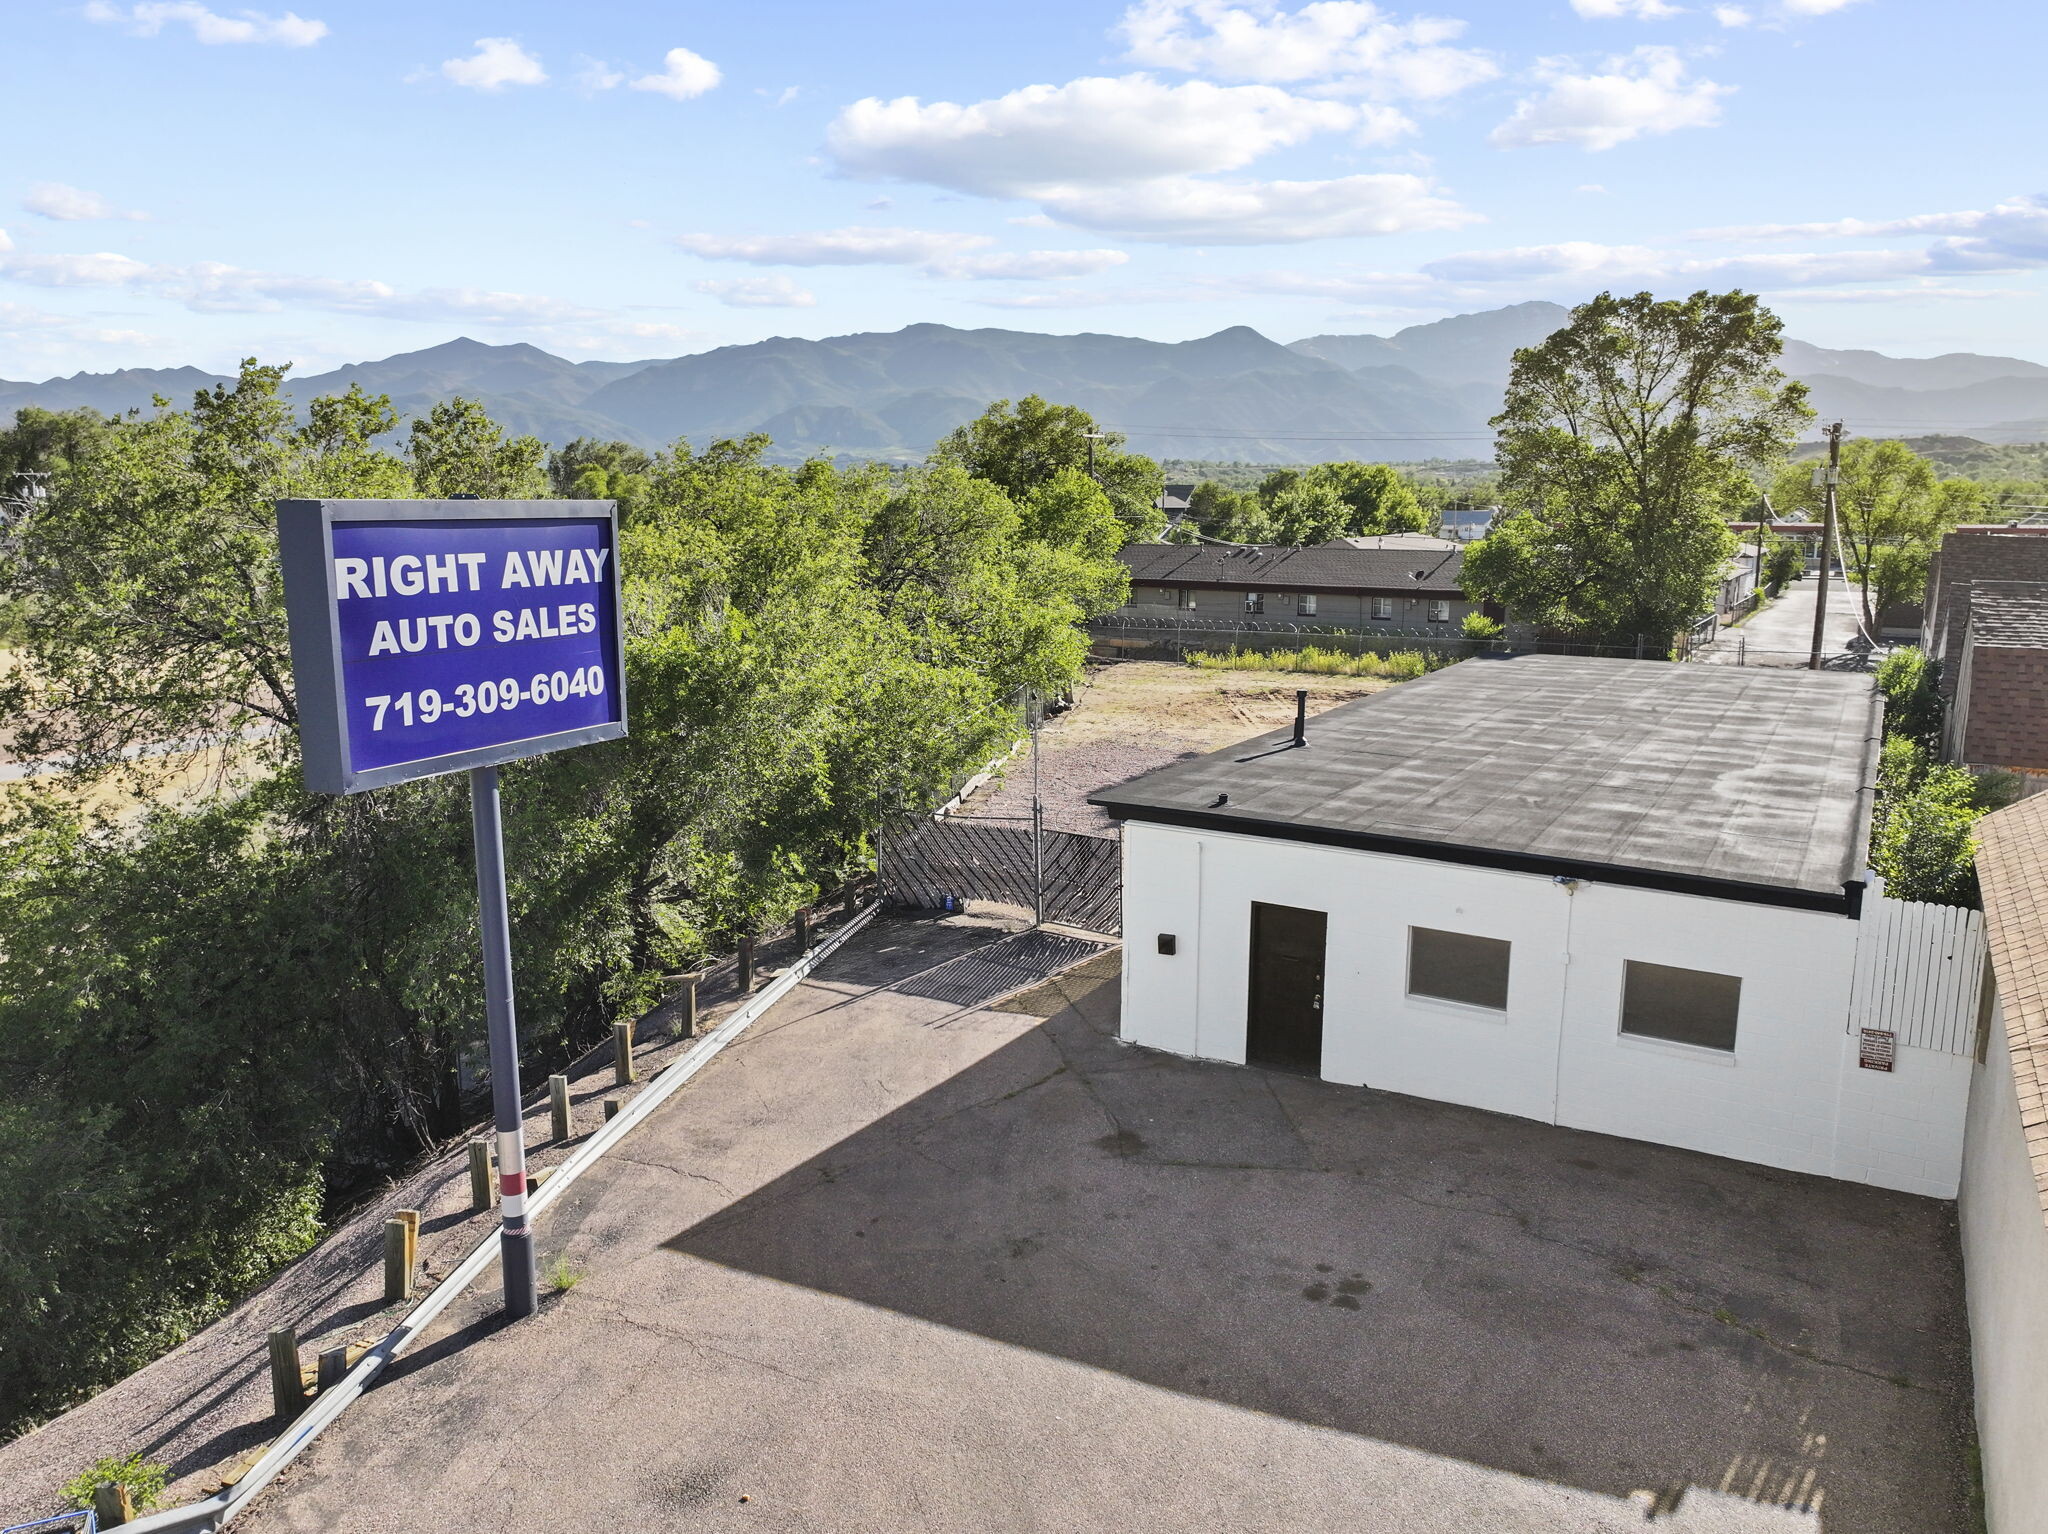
[(1849, 903)]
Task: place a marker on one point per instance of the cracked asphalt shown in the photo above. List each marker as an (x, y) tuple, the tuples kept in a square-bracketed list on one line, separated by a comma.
[(891, 1263)]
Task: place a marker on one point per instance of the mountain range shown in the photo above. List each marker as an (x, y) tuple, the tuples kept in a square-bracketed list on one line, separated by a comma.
[(1423, 392)]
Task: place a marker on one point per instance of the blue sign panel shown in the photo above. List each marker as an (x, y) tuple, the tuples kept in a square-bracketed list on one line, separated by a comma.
[(430, 637)]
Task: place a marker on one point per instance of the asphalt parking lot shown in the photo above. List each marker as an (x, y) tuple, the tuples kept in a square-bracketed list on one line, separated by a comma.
[(898, 1260)]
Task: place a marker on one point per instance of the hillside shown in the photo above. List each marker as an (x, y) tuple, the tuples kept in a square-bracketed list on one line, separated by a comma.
[(1424, 392)]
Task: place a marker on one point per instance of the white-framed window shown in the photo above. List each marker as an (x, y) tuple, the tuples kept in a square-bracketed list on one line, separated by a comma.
[(1457, 966), (1254, 602), (1680, 1006), (1383, 607), (1439, 611), (1305, 605)]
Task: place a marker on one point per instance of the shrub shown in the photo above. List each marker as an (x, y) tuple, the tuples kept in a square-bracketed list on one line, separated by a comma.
[(1399, 666), (1478, 626), (1912, 705), (144, 1478), (1920, 838)]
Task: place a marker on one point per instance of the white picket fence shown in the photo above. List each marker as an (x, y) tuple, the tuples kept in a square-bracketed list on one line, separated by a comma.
[(1919, 973)]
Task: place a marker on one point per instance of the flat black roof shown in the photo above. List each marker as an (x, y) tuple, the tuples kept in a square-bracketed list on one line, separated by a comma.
[(1747, 782)]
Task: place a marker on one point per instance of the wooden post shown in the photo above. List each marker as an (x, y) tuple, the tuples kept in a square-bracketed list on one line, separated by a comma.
[(111, 1504), (287, 1384), (397, 1273), (411, 1217), (333, 1368), (746, 966), (479, 1175), (611, 1109), (558, 1105), (622, 1054), (803, 931), (686, 1004)]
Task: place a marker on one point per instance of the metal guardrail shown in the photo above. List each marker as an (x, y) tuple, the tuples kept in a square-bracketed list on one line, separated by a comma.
[(86, 1522)]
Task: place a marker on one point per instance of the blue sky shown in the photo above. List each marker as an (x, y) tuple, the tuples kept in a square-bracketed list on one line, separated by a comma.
[(191, 182)]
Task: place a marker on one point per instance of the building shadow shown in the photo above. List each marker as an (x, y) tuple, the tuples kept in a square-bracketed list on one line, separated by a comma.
[(1586, 1311)]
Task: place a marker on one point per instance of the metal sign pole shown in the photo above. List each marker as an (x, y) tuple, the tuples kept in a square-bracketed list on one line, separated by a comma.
[(515, 1238)]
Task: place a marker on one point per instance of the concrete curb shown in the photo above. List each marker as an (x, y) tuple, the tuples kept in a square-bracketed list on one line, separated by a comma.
[(215, 1511)]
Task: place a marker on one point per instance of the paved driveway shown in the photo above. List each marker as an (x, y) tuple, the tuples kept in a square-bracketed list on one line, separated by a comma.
[(1782, 634), (901, 1262)]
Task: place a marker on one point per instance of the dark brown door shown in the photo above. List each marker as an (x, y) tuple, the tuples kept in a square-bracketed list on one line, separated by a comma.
[(1285, 1025)]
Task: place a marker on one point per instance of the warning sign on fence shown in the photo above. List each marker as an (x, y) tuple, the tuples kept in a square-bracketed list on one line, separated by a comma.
[(1876, 1049)]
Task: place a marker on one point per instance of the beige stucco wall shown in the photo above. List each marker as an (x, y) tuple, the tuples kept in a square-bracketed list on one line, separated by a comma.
[(2005, 1271)]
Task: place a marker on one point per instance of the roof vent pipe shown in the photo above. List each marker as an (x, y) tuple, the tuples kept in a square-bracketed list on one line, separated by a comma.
[(1301, 718)]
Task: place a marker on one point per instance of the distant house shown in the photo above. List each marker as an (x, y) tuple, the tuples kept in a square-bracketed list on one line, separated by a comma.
[(1467, 523), (1393, 541), (1400, 587), (1175, 503), (1998, 718), (1623, 896), (1968, 556)]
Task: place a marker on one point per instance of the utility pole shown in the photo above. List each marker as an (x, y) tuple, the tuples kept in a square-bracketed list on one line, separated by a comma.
[(1091, 438), (1830, 479), (1765, 515)]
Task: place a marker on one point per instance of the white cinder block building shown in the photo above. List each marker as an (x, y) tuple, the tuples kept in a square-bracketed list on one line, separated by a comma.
[(1624, 896)]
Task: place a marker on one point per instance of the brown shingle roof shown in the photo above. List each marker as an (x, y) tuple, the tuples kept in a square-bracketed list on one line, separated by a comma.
[(1291, 569), (2009, 613), (2012, 870)]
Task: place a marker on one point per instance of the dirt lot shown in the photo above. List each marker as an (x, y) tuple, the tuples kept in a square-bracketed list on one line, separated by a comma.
[(1133, 716)]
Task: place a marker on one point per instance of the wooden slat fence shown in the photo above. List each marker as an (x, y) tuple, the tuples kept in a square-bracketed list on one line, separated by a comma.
[(1919, 973)]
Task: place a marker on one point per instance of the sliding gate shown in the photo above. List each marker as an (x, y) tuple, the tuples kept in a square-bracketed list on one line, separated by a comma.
[(1058, 876)]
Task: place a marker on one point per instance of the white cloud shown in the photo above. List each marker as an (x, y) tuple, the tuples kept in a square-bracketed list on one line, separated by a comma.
[(940, 253), (1186, 210), (147, 20), (1642, 10), (1932, 291), (683, 75), (759, 293), (69, 204), (82, 270), (1089, 132), (1586, 265), (855, 246), (1815, 7), (1733, 16), (497, 63), (216, 287), (1636, 93), (1028, 265), (2013, 230), (597, 75), (1125, 156), (1351, 45)]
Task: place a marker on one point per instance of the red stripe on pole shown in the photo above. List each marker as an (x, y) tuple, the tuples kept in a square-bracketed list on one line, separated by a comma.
[(511, 1184)]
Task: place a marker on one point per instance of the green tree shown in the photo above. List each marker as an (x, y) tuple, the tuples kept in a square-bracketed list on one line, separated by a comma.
[(1623, 440), (1236, 515), (592, 470), (44, 442), (457, 449), (1308, 511), (1891, 510), (1379, 498), (1017, 448)]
